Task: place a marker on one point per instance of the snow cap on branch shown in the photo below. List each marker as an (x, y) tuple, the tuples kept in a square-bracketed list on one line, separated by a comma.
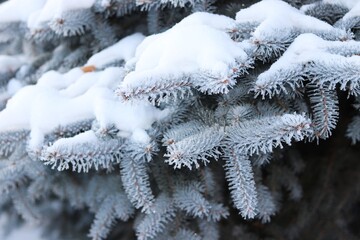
[(273, 15), (78, 96), (310, 55), (22, 8), (274, 24), (122, 50), (206, 59)]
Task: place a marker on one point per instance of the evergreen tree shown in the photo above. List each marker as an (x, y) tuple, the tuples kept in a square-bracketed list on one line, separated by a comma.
[(180, 119)]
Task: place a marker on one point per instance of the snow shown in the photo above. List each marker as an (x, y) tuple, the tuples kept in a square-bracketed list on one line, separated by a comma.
[(301, 50), (44, 117), (13, 86), (59, 99), (57, 80), (87, 80), (305, 48), (85, 137), (54, 8), (88, 96), (219, 22), (306, 7), (19, 10), (308, 48), (169, 54), (16, 114), (276, 15), (122, 50), (354, 12), (35, 12), (132, 118), (11, 63), (305, 43)]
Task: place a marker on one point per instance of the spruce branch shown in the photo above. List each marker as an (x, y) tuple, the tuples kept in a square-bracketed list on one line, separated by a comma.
[(189, 198), (353, 130), (186, 234), (279, 81), (72, 22), (277, 28), (113, 207), (10, 140), (104, 219), (242, 31), (272, 45), (163, 90), (154, 222), (324, 104), (324, 11), (209, 229), (136, 183), (217, 212), (24, 207), (262, 135), (348, 23), (181, 131), (69, 130), (82, 154), (117, 8), (13, 175), (267, 206), (201, 146), (337, 71), (286, 177), (261, 159), (239, 174)]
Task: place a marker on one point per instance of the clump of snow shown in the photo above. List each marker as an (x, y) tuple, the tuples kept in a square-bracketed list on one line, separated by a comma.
[(54, 9), (11, 63), (171, 52), (308, 47), (354, 11), (85, 137), (122, 50), (305, 49), (17, 112), (59, 99), (219, 22), (299, 52), (306, 7), (36, 12), (83, 83), (19, 10), (12, 87), (106, 78), (194, 45), (57, 80), (33, 108), (273, 16), (41, 108), (132, 118)]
